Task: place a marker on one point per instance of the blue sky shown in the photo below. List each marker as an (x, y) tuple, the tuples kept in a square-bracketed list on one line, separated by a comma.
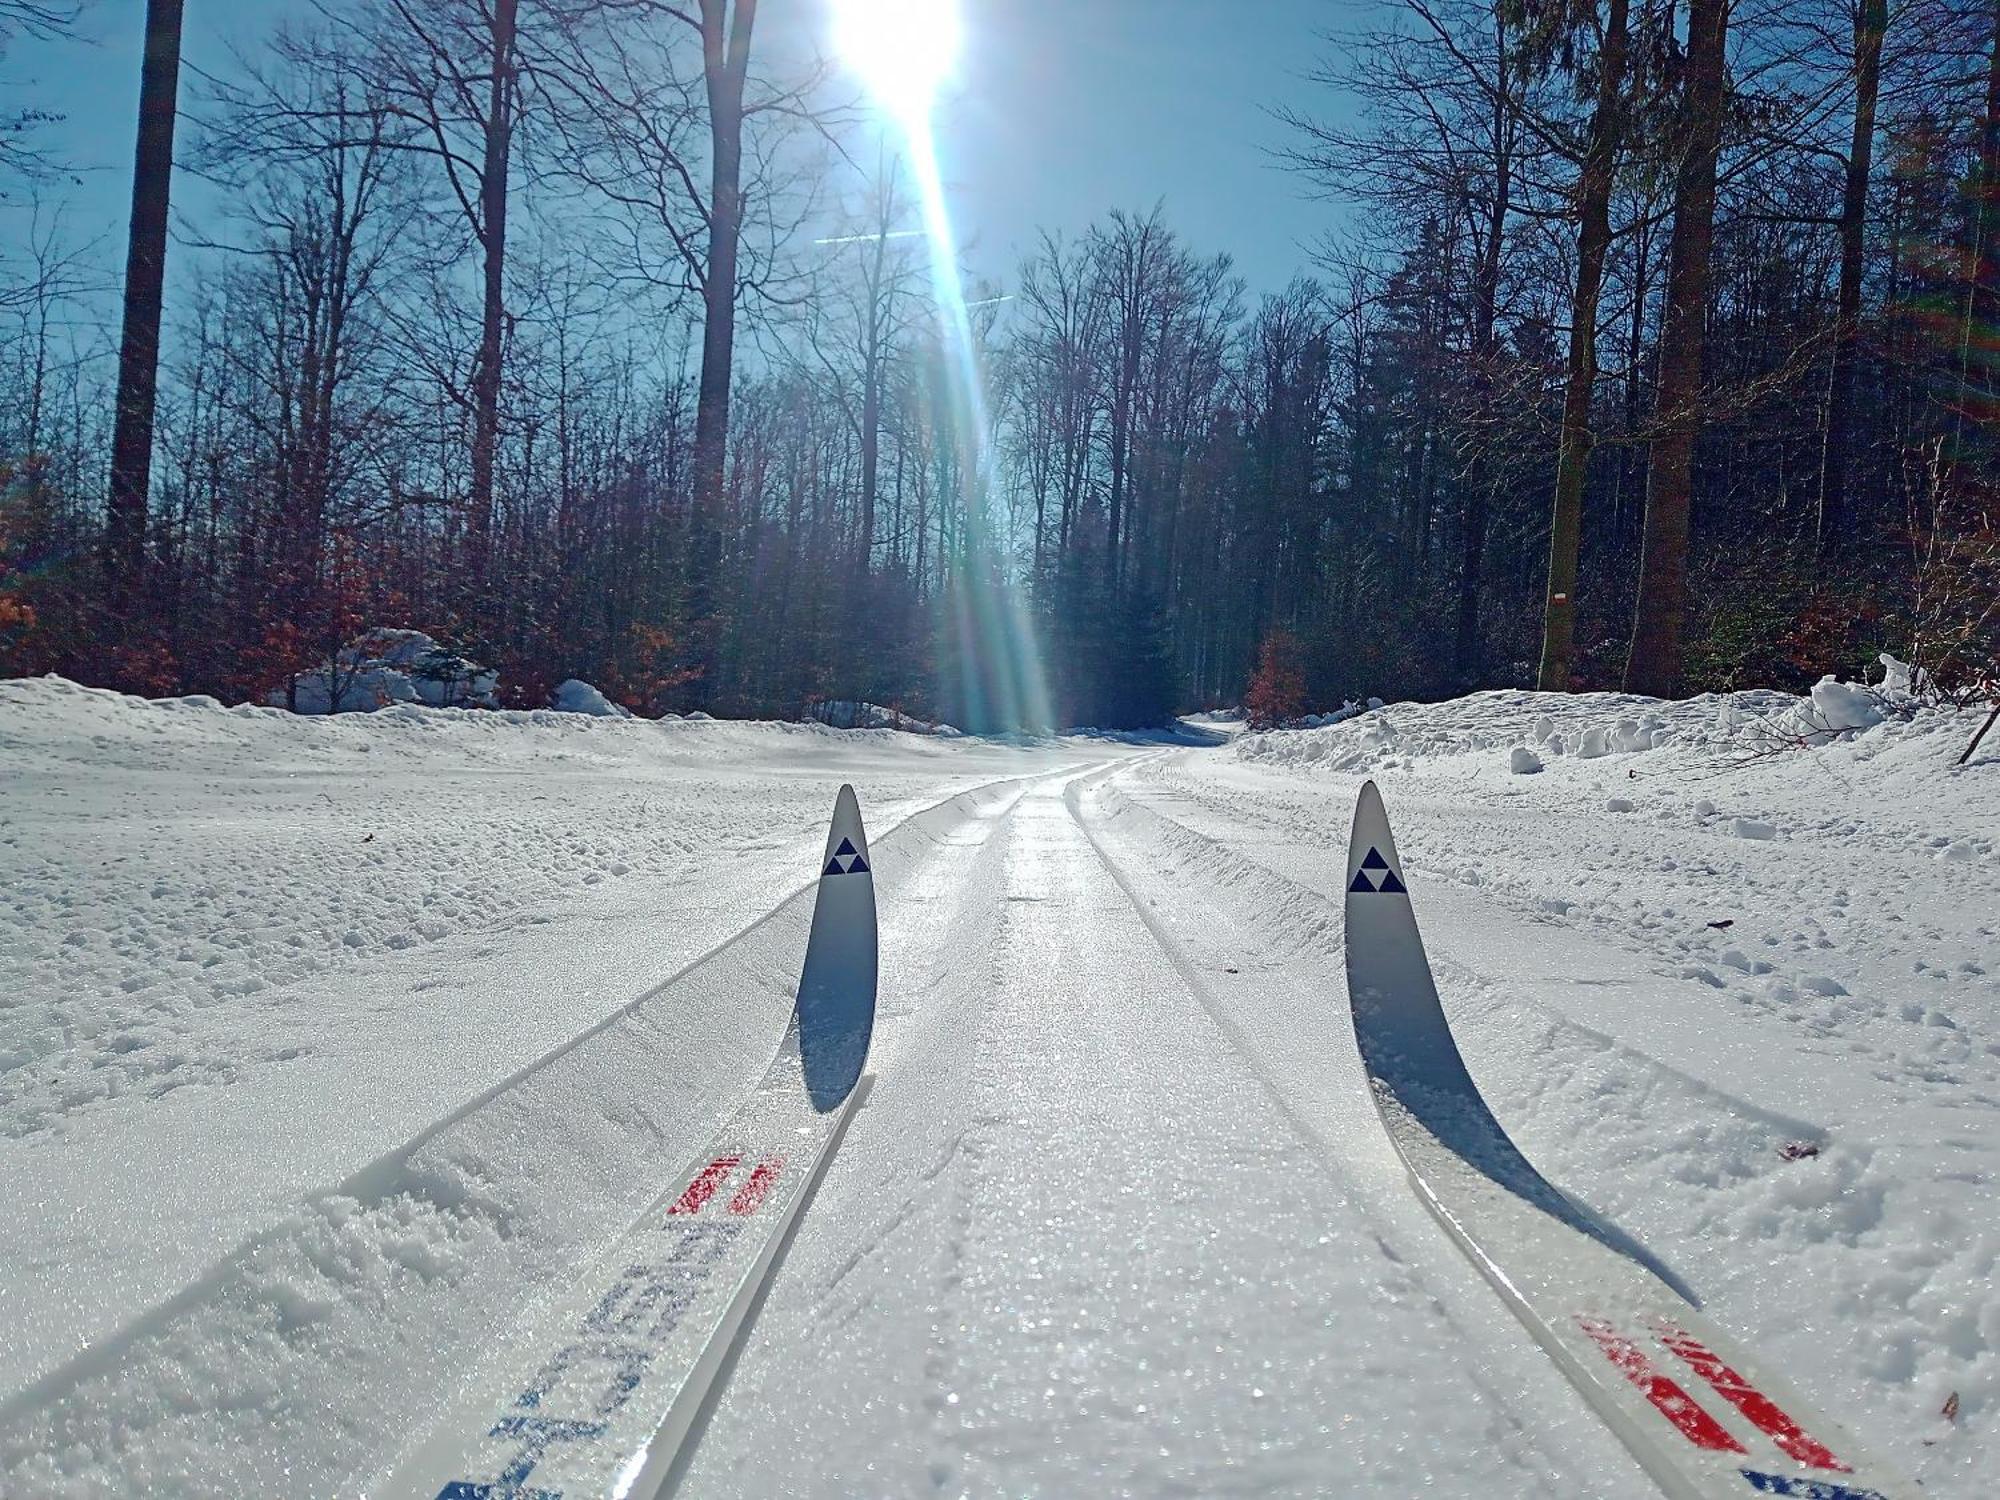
[(1065, 109)]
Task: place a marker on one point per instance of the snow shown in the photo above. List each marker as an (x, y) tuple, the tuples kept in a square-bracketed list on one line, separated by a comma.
[(575, 696), (851, 713), (332, 1049), (1845, 706), (384, 667)]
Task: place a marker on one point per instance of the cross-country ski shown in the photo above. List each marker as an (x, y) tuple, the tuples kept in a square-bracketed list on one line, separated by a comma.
[(597, 1400), (1703, 1419)]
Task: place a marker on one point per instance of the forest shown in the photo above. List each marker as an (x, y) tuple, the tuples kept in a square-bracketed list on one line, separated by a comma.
[(1655, 346)]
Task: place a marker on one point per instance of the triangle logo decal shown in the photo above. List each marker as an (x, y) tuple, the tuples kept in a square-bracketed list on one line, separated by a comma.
[(846, 847), (859, 867), (1374, 861), (1361, 883), (832, 868), (1391, 885)]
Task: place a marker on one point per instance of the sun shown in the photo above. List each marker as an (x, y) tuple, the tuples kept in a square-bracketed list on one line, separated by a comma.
[(904, 50)]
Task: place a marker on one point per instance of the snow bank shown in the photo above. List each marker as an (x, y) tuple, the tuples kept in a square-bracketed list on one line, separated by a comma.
[(851, 713), (1719, 727), (383, 667), (247, 954)]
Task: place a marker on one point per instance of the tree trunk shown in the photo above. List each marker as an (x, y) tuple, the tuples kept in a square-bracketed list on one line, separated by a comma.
[(725, 62), (1983, 303), (145, 285), (875, 337), (1593, 244), (1485, 348), (871, 460), (1654, 665), (1871, 20), (486, 377)]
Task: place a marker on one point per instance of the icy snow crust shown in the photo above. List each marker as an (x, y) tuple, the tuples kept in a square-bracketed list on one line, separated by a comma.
[(332, 1049)]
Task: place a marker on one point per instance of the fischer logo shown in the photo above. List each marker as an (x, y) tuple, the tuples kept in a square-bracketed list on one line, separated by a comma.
[(1694, 1422)]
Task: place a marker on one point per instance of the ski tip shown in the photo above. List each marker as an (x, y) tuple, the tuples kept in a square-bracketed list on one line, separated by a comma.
[(1369, 803), (835, 1011), (1373, 866), (846, 839)]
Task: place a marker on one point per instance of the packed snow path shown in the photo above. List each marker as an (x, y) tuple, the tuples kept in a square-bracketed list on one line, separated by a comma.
[(1083, 1246), (1117, 1216)]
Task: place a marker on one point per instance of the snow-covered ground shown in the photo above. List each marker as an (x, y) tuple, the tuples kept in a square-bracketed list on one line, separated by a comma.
[(330, 1049)]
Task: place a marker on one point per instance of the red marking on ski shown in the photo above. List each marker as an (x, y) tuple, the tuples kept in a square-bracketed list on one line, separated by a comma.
[(1764, 1413), (750, 1197), (705, 1183), (1673, 1403)]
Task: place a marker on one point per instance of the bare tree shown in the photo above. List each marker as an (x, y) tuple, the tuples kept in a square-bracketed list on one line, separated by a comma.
[(315, 166), (145, 281), (855, 327), (451, 73), (38, 20), (1871, 23), (1593, 244), (673, 152), (1450, 152)]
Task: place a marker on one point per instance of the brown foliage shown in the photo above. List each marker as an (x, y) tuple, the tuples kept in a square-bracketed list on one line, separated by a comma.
[(1278, 690)]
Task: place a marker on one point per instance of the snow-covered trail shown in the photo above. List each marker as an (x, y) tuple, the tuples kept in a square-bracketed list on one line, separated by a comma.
[(1077, 1242), (1117, 1215)]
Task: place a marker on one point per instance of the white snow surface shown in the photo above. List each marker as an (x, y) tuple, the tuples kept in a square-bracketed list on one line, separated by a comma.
[(332, 1049)]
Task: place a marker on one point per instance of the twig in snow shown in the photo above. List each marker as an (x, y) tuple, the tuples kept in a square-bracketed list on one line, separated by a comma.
[(1980, 736)]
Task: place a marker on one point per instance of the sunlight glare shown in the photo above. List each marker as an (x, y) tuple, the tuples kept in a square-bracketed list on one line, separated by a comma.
[(903, 49)]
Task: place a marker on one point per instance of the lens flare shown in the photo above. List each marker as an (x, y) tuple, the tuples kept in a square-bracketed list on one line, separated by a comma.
[(906, 50)]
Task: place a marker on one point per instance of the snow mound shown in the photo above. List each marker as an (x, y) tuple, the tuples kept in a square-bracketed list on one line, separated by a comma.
[(852, 713), (383, 667), (576, 696), (1846, 706)]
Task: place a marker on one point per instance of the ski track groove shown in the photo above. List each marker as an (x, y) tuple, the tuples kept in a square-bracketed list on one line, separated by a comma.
[(1046, 1085), (1520, 1428), (1725, 1152), (1494, 994), (822, 1310), (392, 1179)]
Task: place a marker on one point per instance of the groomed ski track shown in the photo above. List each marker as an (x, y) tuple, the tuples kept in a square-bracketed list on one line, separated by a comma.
[(1116, 1218), (1051, 1270)]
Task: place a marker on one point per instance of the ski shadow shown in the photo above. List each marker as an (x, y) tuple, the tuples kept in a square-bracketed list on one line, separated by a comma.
[(1430, 1085)]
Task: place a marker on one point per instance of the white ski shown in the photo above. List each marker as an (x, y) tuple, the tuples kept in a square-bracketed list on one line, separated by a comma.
[(1701, 1418), (600, 1403)]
